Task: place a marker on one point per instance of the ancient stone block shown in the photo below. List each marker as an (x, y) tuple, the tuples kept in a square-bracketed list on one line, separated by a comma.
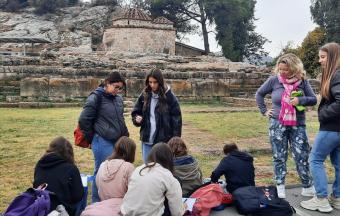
[(181, 87), (34, 87)]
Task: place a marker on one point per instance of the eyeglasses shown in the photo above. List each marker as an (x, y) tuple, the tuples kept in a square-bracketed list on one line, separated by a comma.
[(118, 88)]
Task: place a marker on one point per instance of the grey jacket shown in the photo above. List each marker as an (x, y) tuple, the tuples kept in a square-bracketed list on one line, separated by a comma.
[(273, 87), (104, 118)]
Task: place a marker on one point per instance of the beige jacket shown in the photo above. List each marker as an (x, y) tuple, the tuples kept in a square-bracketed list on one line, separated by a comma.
[(147, 192), (112, 178)]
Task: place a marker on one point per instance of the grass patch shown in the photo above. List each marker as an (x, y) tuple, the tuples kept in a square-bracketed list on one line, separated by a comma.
[(26, 133)]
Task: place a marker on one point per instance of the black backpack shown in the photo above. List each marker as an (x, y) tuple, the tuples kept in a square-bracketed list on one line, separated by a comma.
[(261, 201)]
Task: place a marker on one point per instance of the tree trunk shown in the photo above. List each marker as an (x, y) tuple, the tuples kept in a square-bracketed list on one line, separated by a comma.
[(204, 28)]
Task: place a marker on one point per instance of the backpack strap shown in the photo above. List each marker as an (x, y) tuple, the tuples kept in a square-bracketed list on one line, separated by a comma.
[(99, 95)]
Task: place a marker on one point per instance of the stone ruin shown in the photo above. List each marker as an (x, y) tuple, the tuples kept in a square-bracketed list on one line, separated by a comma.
[(70, 78), (135, 31), (70, 73)]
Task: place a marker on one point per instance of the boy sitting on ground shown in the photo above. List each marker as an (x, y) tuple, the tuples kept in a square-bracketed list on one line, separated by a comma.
[(237, 167)]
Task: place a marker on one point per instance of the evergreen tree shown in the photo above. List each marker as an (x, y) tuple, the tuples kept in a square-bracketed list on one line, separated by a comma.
[(326, 13)]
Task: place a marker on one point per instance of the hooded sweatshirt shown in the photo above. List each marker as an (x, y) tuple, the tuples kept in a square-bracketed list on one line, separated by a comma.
[(113, 177), (238, 169), (63, 180), (187, 170)]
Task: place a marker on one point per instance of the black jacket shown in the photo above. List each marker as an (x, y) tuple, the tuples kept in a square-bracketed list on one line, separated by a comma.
[(329, 110), (238, 169), (168, 123), (104, 117), (63, 179)]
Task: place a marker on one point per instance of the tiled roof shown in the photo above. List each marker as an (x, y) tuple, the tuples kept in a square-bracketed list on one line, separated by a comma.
[(136, 14), (162, 20)]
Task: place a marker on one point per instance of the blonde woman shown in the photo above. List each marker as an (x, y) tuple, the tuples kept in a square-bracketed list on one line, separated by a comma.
[(286, 122), (327, 141)]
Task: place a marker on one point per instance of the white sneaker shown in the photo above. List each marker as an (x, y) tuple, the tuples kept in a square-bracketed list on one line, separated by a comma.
[(308, 192), (335, 202), (317, 204), (281, 191)]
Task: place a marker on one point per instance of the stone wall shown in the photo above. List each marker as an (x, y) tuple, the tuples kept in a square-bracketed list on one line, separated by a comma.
[(72, 78), (139, 40), (185, 50)]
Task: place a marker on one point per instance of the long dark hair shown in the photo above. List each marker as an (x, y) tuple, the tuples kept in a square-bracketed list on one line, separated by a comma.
[(160, 153), (333, 62), (62, 147), (157, 75), (125, 148)]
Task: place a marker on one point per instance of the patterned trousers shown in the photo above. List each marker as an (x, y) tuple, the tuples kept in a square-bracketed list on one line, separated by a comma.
[(296, 136)]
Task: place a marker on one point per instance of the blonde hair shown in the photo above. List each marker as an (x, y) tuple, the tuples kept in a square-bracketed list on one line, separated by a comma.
[(294, 64), (333, 62)]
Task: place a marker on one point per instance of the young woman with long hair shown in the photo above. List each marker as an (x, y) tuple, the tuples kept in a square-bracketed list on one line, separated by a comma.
[(58, 170), (151, 184), (157, 112), (327, 141), (113, 178)]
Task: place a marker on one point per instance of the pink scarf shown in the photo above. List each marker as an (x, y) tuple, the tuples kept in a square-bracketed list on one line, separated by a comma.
[(287, 115)]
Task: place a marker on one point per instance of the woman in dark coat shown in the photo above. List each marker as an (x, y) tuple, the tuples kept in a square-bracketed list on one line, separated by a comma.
[(157, 112), (102, 121)]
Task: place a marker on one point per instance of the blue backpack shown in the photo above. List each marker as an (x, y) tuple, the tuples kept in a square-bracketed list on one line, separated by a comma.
[(33, 202)]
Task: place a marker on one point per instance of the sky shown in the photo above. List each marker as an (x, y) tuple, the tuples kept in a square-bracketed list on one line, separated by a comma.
[(279, 21)]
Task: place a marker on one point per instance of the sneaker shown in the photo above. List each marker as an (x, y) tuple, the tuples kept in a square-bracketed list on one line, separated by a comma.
[(335, 202), (308, 192), (317, 204), (281, 191)]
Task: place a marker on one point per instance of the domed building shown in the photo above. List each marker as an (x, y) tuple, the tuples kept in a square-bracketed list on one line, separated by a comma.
[(135, 31)]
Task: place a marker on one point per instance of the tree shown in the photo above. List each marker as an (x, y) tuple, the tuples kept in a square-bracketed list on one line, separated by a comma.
[(50, 6), (104, 2), (234, 20), (181, 12), (13, 5), (309, 49), (326, 13)]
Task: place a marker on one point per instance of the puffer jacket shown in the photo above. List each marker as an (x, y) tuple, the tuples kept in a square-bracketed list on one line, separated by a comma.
[(168, 123), (105, 118), (329, 110)]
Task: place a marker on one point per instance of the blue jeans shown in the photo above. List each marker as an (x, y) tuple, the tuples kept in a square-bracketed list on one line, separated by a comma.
[(146, 148), (326, 143), (296, 136), (101, 149)]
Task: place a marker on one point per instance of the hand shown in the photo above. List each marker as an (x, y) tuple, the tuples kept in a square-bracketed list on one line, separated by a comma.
[(269, 113), (185, 206), (139, 119), (294, 101)]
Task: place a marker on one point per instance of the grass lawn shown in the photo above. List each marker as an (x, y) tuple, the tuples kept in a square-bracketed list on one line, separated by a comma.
[(26, 133)]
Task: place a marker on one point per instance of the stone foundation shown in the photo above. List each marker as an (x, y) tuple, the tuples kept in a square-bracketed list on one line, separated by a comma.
[(72, 78)]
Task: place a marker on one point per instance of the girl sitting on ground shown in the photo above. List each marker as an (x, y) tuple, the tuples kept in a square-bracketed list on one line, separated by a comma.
[(185, 166), (112, 179), (57, 168), (152, 183), (237, 168)]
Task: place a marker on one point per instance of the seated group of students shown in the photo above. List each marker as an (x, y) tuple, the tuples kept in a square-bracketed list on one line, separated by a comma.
[(154, 188)]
